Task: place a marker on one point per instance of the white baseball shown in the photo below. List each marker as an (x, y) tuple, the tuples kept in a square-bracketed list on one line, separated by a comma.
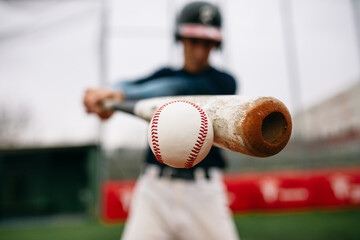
[(180, 134)]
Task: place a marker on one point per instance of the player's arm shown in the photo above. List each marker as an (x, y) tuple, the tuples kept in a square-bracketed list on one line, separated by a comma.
[(164, 86), (94, 97), (149, 88)]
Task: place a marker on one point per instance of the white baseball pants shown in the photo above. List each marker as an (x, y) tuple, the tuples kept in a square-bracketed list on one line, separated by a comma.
[(176, 209)]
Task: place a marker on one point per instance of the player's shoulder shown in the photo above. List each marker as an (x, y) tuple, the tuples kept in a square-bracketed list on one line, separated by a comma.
[(222, 73), (225, 79), (224, 76), (161, 72), (164, 71)]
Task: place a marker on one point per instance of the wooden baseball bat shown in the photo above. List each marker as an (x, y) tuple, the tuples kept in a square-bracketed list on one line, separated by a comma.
[(255, 126)]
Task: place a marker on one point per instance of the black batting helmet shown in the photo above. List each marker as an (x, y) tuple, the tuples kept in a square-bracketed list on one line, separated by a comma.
[(199, 20)]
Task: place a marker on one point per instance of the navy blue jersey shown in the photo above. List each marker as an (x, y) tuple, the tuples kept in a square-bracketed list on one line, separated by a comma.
[(170, 82)]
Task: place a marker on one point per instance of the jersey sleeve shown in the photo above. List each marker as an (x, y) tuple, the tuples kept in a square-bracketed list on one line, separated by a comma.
[(164, 86)]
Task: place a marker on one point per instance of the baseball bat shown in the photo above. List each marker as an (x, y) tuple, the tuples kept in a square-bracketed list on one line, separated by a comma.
[(255, 126)]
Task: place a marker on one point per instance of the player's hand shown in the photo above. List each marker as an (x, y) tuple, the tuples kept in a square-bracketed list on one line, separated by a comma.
[(94, 98)]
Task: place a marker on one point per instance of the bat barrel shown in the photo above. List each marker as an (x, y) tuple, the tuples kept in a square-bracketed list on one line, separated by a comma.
[(266, 128)]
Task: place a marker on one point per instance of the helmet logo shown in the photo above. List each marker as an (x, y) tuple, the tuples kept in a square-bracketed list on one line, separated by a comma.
[(206, 15)]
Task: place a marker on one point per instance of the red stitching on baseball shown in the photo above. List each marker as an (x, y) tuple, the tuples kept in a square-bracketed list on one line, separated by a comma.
[(199, 143), (201, 137), (154, 132)]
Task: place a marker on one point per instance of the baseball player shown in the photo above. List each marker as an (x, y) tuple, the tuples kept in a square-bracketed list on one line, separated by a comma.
[(178, 203)]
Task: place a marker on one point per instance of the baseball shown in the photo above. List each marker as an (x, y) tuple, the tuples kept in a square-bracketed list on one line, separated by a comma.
[(180, 134)]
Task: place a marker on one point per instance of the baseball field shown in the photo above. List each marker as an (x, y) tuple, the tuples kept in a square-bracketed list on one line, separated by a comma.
[(310, 225)]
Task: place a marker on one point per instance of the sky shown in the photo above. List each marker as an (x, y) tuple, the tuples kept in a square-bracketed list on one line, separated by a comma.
[(50, 53)]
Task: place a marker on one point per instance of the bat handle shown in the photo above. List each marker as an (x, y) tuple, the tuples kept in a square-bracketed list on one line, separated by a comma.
[(124, 106), (108, 105)]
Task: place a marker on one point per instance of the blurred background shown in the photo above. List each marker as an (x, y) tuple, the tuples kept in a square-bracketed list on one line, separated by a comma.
[(54, 157)]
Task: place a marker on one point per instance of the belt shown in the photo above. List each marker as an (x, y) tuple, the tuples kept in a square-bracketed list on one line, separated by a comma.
[(190, 174)]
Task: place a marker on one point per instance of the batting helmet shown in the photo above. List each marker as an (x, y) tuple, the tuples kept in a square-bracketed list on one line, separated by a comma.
[(199, 20)]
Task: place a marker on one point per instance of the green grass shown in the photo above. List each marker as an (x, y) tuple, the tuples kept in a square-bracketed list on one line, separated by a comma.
[(317, 225), (336, 225), (87, 230)]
